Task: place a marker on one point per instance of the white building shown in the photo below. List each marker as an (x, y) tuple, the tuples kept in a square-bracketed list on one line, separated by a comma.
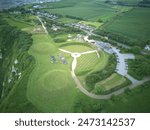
[(147, 47)]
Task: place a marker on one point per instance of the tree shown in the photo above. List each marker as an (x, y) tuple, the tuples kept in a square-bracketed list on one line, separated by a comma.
[(136, 50), (100, 20)]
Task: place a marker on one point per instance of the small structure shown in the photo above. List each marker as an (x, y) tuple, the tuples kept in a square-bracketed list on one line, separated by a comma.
[(106, 37), (62, 58), (16, 62), (86, 39), (147, 47), (55, 28), (38, 30), (69, 36), (13, 70), (52, 59), (80, 38), (19, 74)]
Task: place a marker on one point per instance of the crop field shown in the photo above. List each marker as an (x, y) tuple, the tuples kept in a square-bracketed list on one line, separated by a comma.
[(133, 24), (92, 10)]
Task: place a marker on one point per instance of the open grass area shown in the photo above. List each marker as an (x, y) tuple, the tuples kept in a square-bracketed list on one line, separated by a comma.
[(48, 86), (111, 82), (133, 24), (17, 23), (99, 65), (51, 87), (67, 20), (94, 24), (86, 9), (77, 47), (87, 62)]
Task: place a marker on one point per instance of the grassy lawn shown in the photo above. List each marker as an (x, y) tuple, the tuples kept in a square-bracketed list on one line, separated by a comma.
[(77, 47), (111, 82), (99, 65), (51, 87), (133, 24), (92, 10), (87, 62)]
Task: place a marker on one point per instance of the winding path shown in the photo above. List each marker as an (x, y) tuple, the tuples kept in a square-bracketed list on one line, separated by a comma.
[(92, 95)]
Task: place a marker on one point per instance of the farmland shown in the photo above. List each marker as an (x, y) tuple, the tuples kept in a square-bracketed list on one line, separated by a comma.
[(133, 24), (85, 9)]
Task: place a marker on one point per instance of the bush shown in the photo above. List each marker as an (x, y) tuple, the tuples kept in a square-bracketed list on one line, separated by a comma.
[(59, 40)]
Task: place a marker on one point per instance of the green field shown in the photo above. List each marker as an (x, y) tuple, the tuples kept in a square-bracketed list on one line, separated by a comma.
[(47, 86), (133, 101), (129, 2), (50, 85), (67, 20), (111, 82), (92, 10), (17, 23), (87, 62), (133, 24), (77, 47), (85, 70), (94, 24)]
